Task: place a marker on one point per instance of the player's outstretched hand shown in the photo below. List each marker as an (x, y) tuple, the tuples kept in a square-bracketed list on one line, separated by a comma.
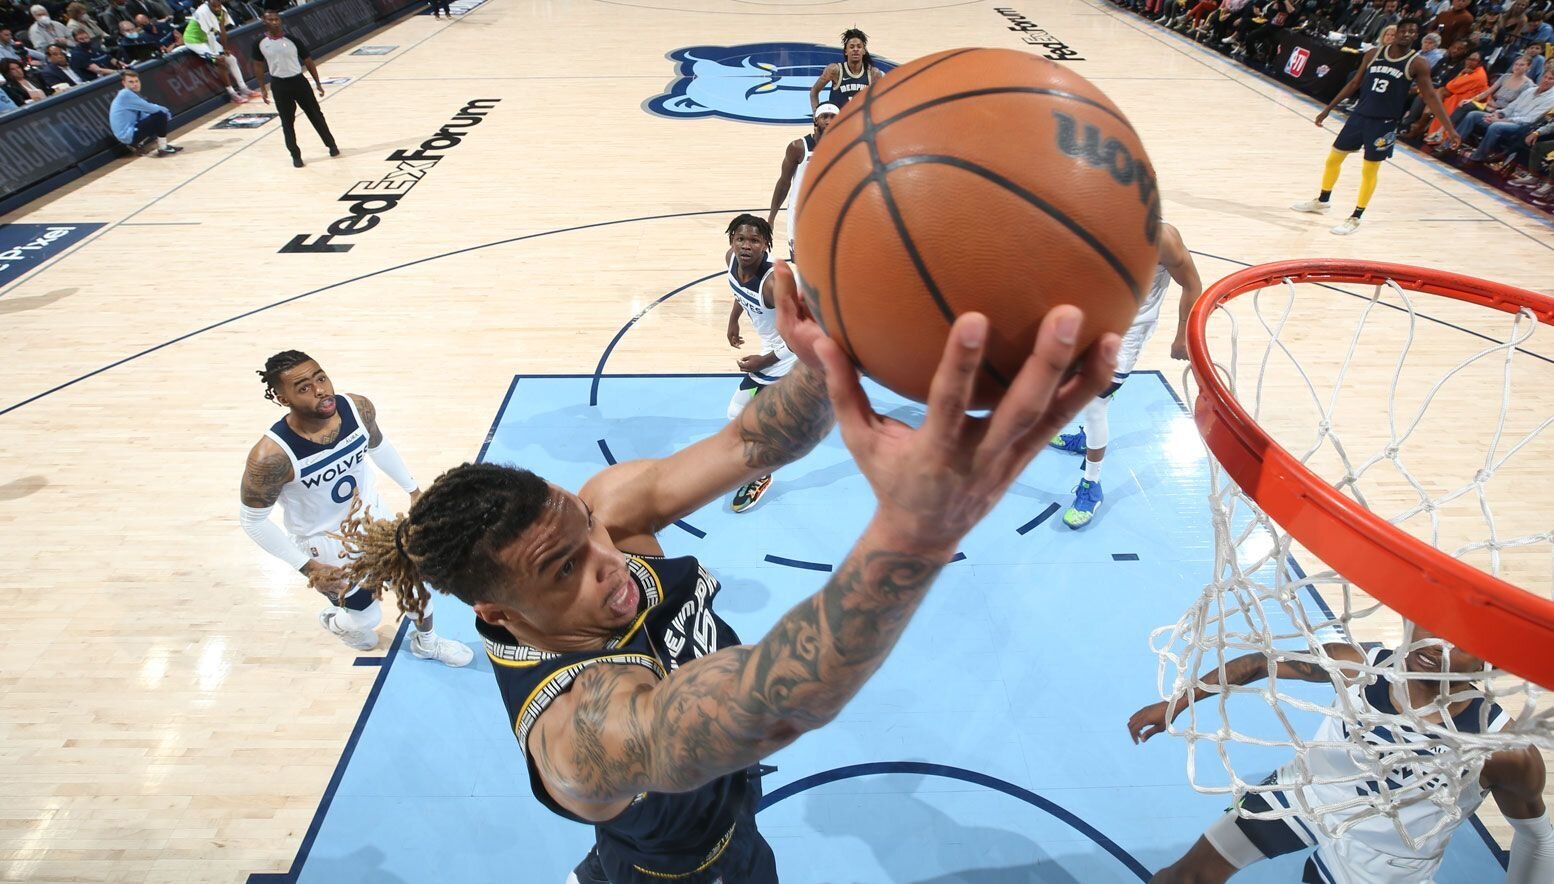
[(1150, 720), (795, 322), (934, 483)]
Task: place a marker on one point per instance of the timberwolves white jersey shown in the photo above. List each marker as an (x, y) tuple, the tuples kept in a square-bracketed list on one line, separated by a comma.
[(764, 319), (324, 477), (1337, 763), (1149, 311), (798, 178)]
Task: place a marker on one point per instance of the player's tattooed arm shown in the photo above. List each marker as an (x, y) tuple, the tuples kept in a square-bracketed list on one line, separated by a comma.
[(267, 470), (617, 732), (369, 414), (787, 420)]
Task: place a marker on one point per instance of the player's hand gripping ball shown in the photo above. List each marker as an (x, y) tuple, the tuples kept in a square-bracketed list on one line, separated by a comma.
[(974, 179)]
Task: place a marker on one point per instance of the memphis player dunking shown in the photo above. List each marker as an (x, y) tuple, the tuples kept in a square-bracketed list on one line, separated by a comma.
[(1091, 439), (750, 277), (314, 463), (1334, 771), (794, 161)]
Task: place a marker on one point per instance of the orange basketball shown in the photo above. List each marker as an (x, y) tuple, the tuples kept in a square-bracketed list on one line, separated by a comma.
[(974, 179)]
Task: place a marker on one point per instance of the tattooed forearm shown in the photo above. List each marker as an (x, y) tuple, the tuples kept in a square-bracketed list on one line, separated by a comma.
[(263, 476), (626, 733), (730, 709), (786, 420)]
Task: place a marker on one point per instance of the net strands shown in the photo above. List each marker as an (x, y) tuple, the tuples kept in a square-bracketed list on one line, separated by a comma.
[(1374, 746)]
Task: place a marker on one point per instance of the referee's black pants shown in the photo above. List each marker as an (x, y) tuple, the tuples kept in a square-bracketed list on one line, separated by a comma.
[(290, 93)]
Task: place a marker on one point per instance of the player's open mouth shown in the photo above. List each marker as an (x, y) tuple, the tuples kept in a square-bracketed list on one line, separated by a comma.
[(327, 405), (624, 599)]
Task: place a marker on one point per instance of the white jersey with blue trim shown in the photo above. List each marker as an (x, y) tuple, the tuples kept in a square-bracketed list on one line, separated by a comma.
[(764, 319), (798, 178), (325, 477), (1348, 772), (1149, 310)]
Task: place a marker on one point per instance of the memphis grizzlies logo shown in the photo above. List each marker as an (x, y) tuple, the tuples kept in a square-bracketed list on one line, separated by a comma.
[(754, 82)]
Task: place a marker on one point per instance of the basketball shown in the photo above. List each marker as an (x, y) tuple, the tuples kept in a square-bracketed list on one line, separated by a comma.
[(985, 180)]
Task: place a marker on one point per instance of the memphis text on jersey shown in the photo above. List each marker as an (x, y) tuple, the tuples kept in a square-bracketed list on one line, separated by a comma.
[(370, 199)]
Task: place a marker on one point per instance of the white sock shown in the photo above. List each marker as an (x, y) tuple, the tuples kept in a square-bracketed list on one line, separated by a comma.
[(161, 142), (1092, 470)]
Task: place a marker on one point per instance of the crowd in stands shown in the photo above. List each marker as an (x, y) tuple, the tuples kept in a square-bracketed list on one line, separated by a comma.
[(49, 47), (1488, 60)]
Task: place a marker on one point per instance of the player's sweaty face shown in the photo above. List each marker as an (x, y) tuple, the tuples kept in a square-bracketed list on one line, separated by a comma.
[(574, 581), (854, 50), (309, 390)]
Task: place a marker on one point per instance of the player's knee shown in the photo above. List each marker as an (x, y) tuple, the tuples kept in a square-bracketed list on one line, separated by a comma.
[(1097, 430)]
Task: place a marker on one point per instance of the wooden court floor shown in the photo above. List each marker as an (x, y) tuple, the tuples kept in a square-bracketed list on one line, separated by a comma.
[(169, 709)]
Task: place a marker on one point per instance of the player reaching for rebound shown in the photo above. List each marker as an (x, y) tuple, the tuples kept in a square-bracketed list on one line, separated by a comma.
[(750, 275), (1094, 432), (1372, 851), (1382, 81), (794, 161), (313, 462), (636, 707)]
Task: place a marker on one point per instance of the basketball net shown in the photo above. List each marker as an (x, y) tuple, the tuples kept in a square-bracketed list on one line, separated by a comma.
[(1337, 377)]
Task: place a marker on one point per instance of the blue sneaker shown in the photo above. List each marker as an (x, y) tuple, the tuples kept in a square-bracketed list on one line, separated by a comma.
[(1087, 499), (1073, 443)]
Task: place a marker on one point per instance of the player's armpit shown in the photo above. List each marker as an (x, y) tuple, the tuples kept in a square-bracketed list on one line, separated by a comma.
[(268, 469)]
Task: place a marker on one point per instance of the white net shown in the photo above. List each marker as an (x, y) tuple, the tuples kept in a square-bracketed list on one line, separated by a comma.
[(1439, 424)]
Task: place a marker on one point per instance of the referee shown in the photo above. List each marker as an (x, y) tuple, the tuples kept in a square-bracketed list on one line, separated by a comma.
[(284, 57)]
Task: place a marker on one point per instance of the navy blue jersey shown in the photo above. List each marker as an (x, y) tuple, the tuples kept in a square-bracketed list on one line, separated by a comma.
[(660, 835), (848, 85), (1384, 87)]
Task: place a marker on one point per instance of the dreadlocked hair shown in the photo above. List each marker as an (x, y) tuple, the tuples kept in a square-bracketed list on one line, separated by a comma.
[(277, 365), (450, 539), (760, 224), (868, 60)]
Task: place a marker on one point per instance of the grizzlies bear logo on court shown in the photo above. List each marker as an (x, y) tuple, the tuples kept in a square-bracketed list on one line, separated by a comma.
[(754, 82)]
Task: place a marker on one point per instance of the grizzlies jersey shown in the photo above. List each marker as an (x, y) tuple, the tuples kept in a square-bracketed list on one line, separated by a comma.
[(661, 835), (1346, 770), (324, 477), (764, 319), (1384, 87), (848, 84), (1149, 310)]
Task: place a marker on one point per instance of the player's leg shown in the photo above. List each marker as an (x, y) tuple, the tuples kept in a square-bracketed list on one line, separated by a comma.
[(1233, 842), (1095, 431), (354, 617), (747, 496), (428, 645), (286, 105), (1350, 139), (1380, 137)]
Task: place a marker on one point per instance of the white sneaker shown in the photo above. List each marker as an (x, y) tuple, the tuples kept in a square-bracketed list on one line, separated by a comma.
[(1349, 225), (360, 639), (1316, 207), (430, 646), (1545, 190)]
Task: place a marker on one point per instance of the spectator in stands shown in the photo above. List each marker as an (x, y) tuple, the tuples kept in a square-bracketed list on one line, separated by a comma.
[(1453, 24), (1534, 30), (1430, 50), (46, 31), (14, 49), (168, 38), (77, 20), (1535, 61), (17, 83), (1443, 71), (135, 45), (136, 121), (1466, 82), (89, 59), (6, 104), (206, 34), (1390, 15), (1539, 163), (1358, 22), (1505, 128), (56, 71), (125, 11), (1255, 41), (1505, 90), (14, 16)]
